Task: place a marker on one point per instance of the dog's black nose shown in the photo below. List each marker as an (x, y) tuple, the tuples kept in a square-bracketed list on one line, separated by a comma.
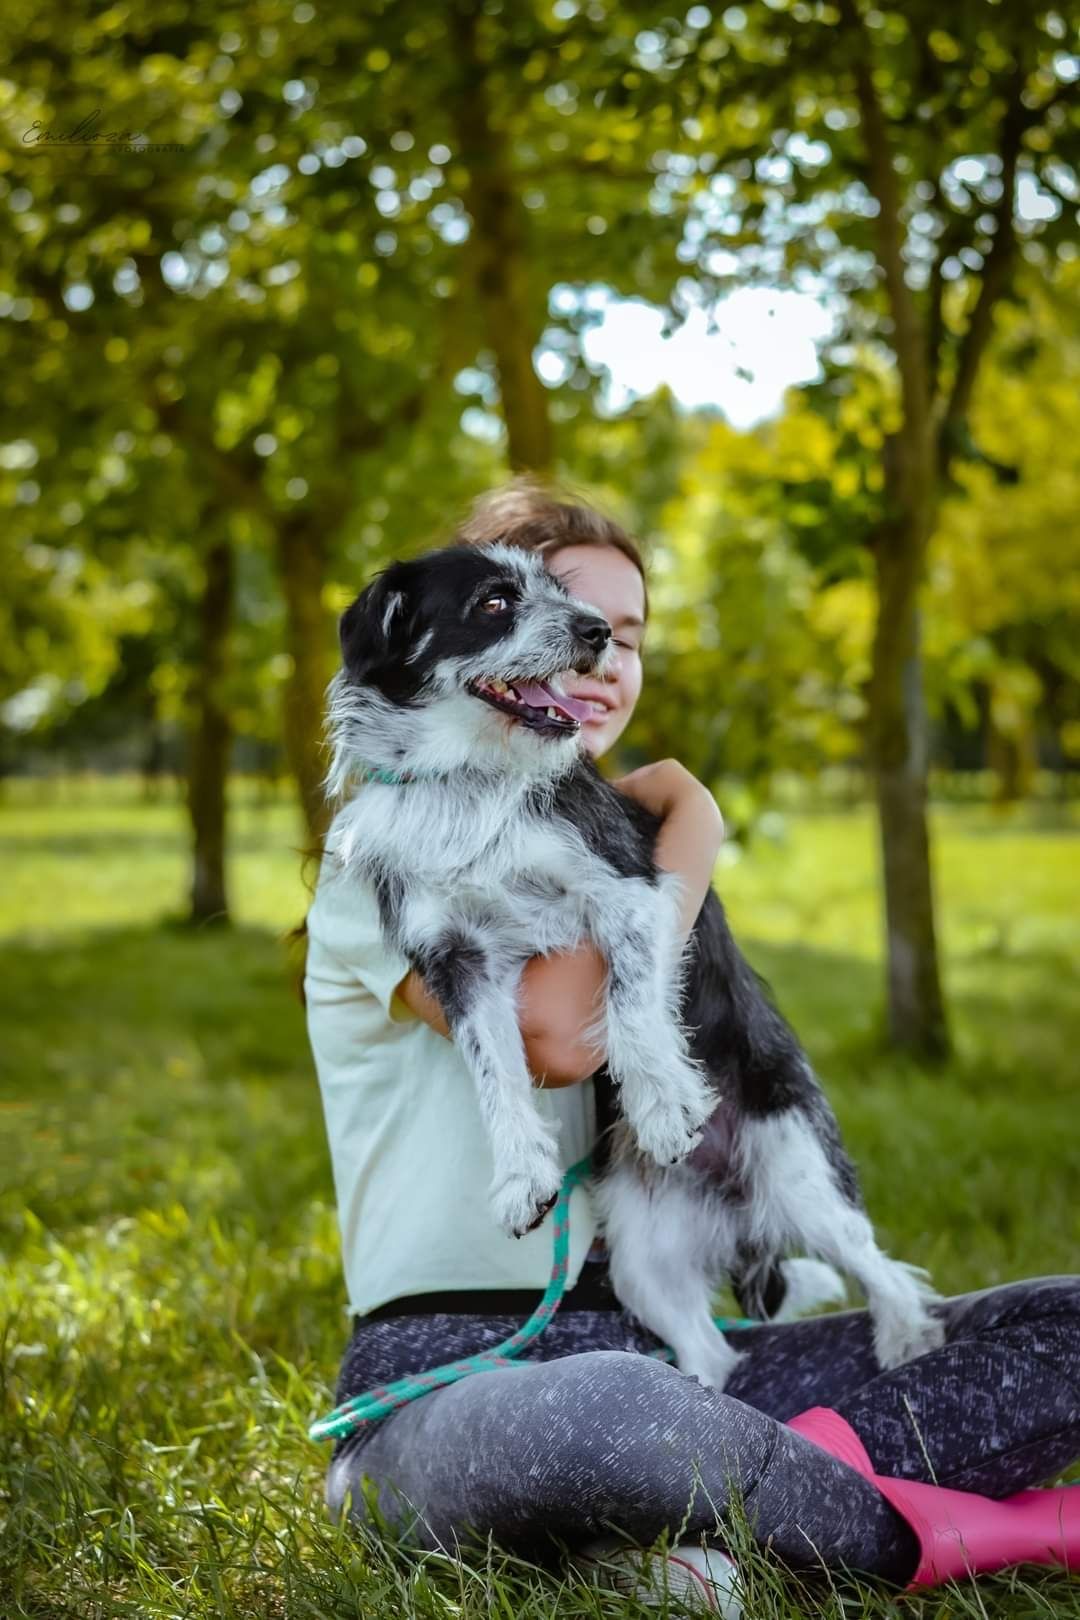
[(597, 632)]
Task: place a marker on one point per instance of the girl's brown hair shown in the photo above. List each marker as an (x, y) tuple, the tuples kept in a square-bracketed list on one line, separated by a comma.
[(526, 511)]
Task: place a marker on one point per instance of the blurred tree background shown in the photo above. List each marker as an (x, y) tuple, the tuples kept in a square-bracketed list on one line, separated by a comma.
[(341, 282)]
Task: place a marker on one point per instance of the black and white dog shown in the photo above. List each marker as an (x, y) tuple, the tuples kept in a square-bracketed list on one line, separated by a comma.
[(497, 839)]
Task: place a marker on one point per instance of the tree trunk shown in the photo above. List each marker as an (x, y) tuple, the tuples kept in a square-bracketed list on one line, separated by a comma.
[(512, 311), (302, 566), (1012, 753), (898, 751), (154, 756), (916, 1013), (208, 755)]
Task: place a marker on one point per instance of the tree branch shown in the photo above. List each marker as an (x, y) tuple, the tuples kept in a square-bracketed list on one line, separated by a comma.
[(909, 339), (996, 271), (935, 329), (574, 166)]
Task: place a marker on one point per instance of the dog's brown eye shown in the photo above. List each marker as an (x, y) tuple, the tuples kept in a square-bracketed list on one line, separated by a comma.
[(502, 600)]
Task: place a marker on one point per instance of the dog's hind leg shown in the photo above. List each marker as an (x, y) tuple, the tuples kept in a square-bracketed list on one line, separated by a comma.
[(477, 994), (661, 1237), (781, 1290), (797, 1202), (808, 1284)]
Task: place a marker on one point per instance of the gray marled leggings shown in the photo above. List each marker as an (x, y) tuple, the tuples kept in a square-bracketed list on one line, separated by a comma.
[(583, 1438)]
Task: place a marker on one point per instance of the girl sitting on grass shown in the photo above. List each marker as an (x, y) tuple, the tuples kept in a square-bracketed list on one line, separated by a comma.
[(588, 1440)]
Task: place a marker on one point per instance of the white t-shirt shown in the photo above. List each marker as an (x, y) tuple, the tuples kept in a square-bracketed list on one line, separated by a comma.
[(410, 1155)]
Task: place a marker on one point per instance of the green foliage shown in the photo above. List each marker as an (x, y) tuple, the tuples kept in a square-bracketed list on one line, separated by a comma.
[(279, 321), (233, 349), (283, 322), (1003, 610), (764, 599), (767, 94), (759, 652)]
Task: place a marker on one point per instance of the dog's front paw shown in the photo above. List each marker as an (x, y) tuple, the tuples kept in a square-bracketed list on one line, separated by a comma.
[(668, 1120), (664, 1134), (695, 1095), (900, 1339), (521, 1198)]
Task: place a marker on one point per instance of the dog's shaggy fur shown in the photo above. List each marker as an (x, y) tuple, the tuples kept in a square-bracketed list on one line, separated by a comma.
[(503, 842)]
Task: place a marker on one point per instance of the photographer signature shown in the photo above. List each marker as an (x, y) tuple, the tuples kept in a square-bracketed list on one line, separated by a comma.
[(83, 134)]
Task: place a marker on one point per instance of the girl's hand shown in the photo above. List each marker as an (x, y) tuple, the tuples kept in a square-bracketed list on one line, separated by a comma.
[(667, 786)]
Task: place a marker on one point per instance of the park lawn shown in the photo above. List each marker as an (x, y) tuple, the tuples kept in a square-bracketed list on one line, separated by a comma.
[(172, 1311)]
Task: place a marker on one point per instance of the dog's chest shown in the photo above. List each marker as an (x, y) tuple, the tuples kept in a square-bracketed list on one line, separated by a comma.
[(530, 890), (513, 879), (480, 841)]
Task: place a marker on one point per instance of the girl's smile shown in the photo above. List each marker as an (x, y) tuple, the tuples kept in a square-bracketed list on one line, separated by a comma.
[(606, 579)]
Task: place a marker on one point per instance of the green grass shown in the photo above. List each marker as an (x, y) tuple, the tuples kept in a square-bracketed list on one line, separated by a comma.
[(172, 1311)]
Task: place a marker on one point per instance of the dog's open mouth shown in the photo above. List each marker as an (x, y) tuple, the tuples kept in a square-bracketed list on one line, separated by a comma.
[(541, 705)]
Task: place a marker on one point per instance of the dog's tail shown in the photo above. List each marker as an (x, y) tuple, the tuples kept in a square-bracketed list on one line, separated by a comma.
[(774, 1290)]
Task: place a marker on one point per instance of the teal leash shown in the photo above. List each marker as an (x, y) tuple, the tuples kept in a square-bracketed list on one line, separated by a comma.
[(376, 1404)]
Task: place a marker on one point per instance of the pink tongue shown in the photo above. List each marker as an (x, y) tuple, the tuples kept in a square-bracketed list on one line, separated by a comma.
[(539, 694)]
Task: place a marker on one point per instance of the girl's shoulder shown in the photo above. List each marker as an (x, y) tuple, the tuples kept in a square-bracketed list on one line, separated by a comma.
[(343, 907), (345, 938)]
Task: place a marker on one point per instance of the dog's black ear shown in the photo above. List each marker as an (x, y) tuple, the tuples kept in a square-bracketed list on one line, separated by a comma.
[(373, 631)]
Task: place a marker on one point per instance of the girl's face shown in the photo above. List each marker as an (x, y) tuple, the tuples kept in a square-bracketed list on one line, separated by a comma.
[(605, 577)]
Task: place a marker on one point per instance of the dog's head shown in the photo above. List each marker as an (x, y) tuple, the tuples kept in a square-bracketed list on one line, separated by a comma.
[(454, 658)]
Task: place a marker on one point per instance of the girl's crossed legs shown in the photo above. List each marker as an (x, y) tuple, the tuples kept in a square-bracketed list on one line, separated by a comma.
[(582, 1438)]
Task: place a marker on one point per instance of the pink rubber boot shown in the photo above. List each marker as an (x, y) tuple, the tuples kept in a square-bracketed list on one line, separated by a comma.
[(960, 1533)]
